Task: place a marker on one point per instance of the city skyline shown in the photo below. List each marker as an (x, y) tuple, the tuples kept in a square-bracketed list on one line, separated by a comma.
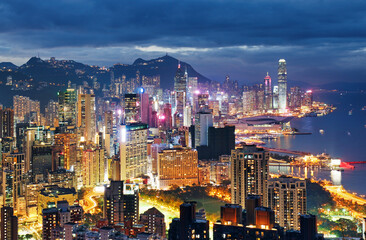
[(321, 44)]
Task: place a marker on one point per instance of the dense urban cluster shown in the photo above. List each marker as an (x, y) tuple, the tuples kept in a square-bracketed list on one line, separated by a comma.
[(131, 134)]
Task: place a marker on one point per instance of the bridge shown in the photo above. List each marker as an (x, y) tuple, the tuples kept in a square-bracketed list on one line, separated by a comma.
[(299, 153)]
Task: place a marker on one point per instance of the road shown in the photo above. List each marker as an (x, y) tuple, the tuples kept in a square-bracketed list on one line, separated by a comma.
[(342, 193), (34, 229), (91, 204)]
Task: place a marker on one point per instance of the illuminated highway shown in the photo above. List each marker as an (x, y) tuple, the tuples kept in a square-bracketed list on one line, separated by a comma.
[(90, 203), (342, 193)]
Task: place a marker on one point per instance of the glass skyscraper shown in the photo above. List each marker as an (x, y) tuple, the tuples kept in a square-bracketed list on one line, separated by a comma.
[(282, 85)]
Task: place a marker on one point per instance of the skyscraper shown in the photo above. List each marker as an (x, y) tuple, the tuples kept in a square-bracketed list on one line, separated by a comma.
[(287, 198), (282, 85), (132, 108), (67, 107), (249, 173), (180, 88), (202, 122), (268, 92)]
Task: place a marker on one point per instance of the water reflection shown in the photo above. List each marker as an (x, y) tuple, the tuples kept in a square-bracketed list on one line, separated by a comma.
[(336, 177), (315, 173)]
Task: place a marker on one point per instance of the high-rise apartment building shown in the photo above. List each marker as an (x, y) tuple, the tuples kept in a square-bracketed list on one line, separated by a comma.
[(9, 224), (287, 198), (86, 120), (6, 123), (177, 166), (121, 202), (249, 173), (154, 222), (188, 225), (113, 203), (131, 202), (282, 85), (93, 167), (51, 113), (26, 110)]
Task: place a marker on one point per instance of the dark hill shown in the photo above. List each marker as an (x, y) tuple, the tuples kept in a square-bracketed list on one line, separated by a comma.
[(164, 66)]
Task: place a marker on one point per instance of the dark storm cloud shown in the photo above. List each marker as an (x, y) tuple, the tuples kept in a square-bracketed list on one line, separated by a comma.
[(211, 23), (322, 40)]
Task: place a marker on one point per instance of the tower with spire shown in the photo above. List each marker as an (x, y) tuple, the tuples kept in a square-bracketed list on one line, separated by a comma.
[(268, 92)]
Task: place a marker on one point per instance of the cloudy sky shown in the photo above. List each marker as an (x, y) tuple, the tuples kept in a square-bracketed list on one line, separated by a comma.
[(322, 40)]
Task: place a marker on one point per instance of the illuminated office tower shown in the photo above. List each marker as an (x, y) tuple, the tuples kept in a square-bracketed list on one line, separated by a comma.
[(282, 85), (9, 224), (203, 101), (67, 107), (166, 119), (145, 107), (249, 100), (187, 121), (192, 87), (202, 122), (108, 123), (307, 99), (249, 174), (13, 170), (51, 113), (6, 123), (177, 166), (94, 167), (268, 92), (86, 120), (133, 150), (275, 97), (287, 198), (180, 88), (132, 108), (41, 160), (64, 153), (294, 98)]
